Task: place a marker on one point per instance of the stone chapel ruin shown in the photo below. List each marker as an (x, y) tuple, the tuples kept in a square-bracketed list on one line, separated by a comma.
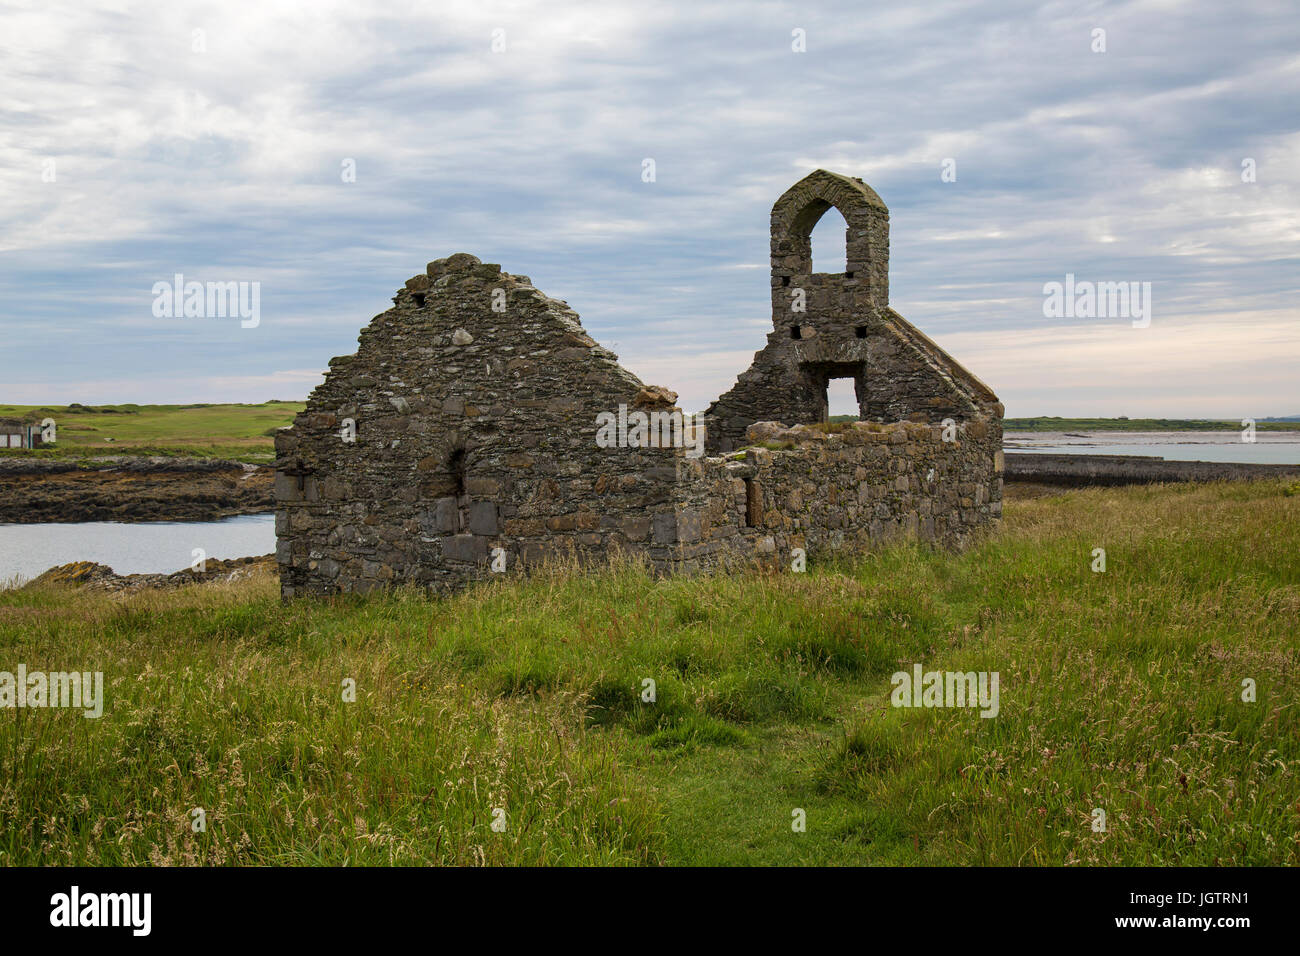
[(479, 430)]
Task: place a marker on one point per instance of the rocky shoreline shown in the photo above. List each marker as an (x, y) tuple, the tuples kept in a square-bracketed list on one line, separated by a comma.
[(100, 577), (34, 490), (1083, 470)]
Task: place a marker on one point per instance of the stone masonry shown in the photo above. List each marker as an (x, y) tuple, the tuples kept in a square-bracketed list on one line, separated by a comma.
[(463, 439), (828, 326)]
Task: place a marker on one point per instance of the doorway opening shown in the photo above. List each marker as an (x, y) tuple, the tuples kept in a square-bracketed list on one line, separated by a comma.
[(842, 399)]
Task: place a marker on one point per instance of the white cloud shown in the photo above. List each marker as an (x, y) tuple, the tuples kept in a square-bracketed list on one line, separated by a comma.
[(227, 163)]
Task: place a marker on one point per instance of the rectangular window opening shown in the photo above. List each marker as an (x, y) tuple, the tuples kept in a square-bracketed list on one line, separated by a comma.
[(841, 400)]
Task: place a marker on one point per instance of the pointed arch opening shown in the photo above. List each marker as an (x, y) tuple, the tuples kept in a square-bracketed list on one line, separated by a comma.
[(828, 242)]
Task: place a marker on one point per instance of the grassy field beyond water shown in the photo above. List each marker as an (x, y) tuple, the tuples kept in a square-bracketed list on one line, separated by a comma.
[(245, 432), (240, 432), (1119, 691)]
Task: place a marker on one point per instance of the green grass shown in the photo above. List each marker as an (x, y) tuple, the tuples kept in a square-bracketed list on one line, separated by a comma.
[(1119, 691), (241, 432)]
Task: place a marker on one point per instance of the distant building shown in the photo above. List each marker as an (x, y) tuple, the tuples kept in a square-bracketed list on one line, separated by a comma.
[(16, 433)]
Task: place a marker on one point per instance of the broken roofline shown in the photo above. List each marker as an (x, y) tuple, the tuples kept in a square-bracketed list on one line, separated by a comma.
[(860, 298), (839, 325), (474, 401)]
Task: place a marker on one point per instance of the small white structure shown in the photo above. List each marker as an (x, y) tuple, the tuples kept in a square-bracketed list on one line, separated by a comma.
[(15, 433)]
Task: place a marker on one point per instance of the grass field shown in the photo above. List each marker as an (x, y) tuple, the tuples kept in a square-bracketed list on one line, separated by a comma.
[(1119, 691), (241, 432), (244, 432)]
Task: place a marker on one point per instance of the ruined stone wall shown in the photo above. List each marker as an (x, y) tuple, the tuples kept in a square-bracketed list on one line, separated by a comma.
[(475, 430), (841, 492), (463, 438), (839, 325)]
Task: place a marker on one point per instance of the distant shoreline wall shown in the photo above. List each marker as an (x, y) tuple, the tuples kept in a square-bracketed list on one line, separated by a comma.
[(1131, 469)]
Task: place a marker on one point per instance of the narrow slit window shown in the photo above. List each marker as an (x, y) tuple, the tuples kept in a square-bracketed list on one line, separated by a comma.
[(796, 332), (753, 504), (456, 466)]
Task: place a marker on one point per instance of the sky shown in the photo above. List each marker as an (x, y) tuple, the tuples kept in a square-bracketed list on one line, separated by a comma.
[(218, 140)]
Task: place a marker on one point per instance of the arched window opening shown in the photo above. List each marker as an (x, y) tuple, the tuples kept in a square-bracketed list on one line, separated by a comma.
[(829, 240)]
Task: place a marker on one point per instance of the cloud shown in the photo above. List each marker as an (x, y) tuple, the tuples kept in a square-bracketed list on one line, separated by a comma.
[(219, 154)]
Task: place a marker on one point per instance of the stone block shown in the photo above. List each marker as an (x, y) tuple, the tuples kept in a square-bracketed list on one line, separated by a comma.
[(635, 528), (465, 547), (483, 518), (446, 516), (690, 526), (286, 487)]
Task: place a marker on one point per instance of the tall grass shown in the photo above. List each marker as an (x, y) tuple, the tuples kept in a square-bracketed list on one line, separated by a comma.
[(1120, 691)]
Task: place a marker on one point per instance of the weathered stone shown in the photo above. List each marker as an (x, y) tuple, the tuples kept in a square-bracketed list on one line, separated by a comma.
[(664, 525), (462, 261), (483, 487), (764, 431), (464, 547), (483, 518), (846, 330), (463, 449), (690, 526), (446, 516), (655, 396)]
